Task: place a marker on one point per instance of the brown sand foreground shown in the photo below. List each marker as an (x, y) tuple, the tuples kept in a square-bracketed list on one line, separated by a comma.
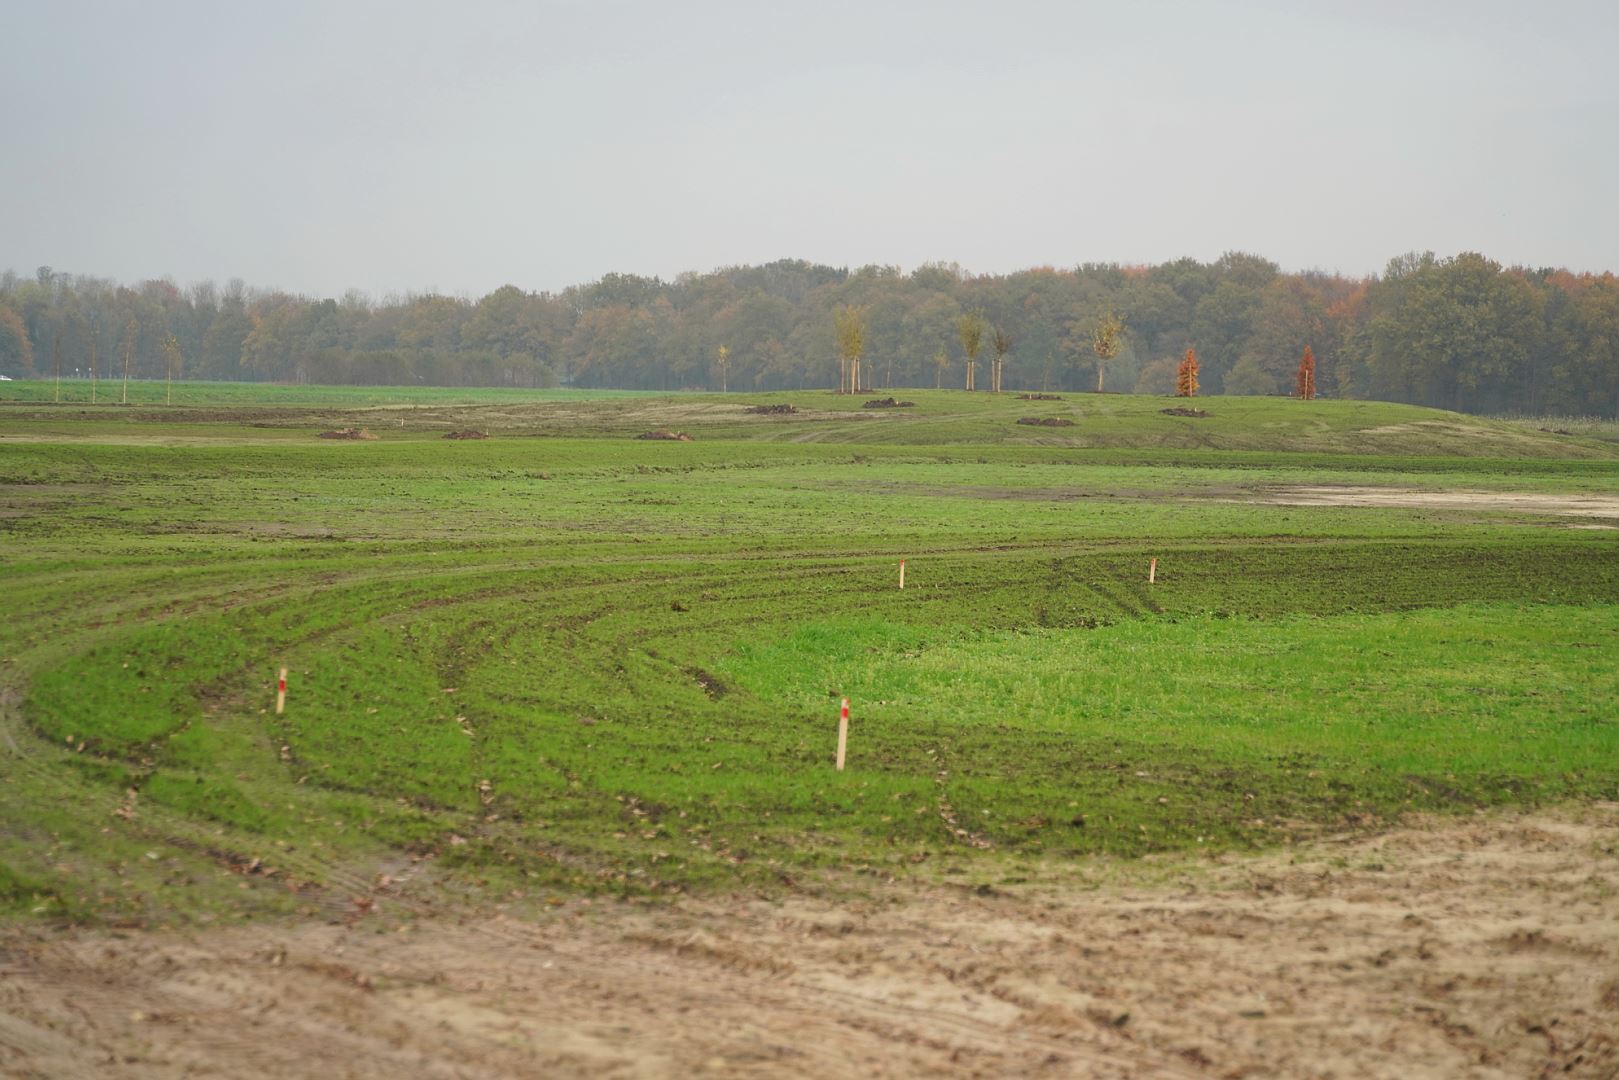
[(1481, 947)]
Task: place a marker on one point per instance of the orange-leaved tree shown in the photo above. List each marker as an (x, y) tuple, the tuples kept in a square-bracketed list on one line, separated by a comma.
[(1186, 375), (1306, 380)]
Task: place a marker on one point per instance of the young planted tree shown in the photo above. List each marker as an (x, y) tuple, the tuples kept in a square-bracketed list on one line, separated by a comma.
[(56, 362), (1306, 379), (171, 365), (1001, 342), (1186, 376), (723, 357), (129, 349), (941, 360), (1106, 339), (851, 329), (970, 329)]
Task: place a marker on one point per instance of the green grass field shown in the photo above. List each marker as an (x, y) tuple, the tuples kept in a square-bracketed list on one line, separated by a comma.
[(562, 658)]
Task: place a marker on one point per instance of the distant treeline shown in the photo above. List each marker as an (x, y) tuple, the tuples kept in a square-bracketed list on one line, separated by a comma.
[(1461, 333)]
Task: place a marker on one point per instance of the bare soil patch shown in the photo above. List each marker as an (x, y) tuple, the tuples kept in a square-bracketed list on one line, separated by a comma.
[(466, 435), (665, 436), (888, 403), (1039, 397), (351, 433), (1532, 502), (772, 410), (1046, 421), (1485, 947), (1178, 411)]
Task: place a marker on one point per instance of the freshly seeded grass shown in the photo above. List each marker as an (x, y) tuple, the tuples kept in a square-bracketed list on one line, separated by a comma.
[(561, 659), (1154, 722)]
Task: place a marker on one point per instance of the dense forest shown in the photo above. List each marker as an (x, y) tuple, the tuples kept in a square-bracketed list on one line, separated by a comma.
[(1461, 333)]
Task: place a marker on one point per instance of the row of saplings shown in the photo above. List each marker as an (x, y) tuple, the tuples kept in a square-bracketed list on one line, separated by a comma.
[(1107, 338), (1185, 386)]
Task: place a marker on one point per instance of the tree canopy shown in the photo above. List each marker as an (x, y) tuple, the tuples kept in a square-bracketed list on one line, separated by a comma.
[(1463, 332)]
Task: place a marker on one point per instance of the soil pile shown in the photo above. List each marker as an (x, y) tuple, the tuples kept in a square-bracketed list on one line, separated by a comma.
[(1039, 397), (773, 410), (352, 433), (888, 403), (1046, 421), (1183, 412), (665, 436), (466, 435)]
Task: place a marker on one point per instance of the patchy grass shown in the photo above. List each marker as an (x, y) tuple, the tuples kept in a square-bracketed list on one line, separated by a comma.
[(1586, 427), (564, 658)]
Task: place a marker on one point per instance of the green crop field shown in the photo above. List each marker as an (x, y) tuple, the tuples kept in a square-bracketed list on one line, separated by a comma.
[(561, 658)]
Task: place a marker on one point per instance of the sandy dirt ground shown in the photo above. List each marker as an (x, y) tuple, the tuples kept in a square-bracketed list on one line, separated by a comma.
[(1526, 501), (1485, 947)]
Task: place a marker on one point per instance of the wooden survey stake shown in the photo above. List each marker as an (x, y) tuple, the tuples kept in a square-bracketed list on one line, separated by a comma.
[(281, 692), (902, 573), (843, 732), (1152, 571)]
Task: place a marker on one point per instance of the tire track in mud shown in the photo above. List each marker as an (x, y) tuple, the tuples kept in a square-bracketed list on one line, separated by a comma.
[(222, 1003), (324, 883), (1479, 946)]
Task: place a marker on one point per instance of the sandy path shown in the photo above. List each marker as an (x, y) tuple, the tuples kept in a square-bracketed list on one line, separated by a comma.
[(1525, 501), (1482, 948)]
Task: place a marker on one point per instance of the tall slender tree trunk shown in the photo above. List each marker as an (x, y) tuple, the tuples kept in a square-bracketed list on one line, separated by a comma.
[(1101, 369)]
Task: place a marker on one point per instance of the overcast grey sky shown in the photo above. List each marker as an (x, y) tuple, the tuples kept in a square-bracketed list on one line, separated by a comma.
[(407, 146)]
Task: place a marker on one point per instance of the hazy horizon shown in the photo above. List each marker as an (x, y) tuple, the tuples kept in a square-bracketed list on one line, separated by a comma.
[(405, 148)]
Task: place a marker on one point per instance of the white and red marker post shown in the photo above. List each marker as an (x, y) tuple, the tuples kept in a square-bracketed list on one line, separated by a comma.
[(843, 732), (281, 692)]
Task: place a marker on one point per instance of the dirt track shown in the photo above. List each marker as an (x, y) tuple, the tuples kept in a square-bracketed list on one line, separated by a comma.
[(1524, 501), (1487, 947)]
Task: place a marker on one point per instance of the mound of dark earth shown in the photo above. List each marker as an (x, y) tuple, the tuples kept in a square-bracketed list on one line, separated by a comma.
[(352, 433), (466, 435), (773, 410), (665, 436), (888, 403), (1183, 412), (1046, 421), (1039, 397)]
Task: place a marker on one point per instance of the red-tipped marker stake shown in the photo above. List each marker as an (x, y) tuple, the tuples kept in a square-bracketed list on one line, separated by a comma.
[(1152, 571), (902, 573), (281, 693), (843, 732)]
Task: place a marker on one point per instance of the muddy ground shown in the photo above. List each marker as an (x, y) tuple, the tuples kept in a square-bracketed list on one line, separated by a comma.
[(1485, 947)]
